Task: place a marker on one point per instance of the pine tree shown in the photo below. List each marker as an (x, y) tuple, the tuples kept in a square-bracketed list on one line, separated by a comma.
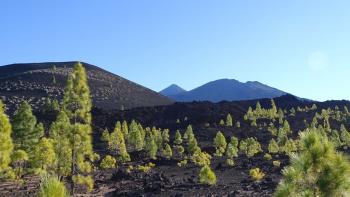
[(105, 135), (25, 133), (250, 147), (318, 170), (108, 162), (77, 105), (44, 156), (6, 145), (207, 176), (178, 148), (61, 135), (116, 143), (151, 147), (125, 128), (165, 136), (219, 144), (229, 120), (167, 152), (191, 141), (258, 108), (135, 137), (188, 133), (232, 151), (273, 146), (178, 138)]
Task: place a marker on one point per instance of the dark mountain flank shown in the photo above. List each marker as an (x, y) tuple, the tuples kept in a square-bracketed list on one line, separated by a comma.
[(228, 90), (35, 81), (172, 90)]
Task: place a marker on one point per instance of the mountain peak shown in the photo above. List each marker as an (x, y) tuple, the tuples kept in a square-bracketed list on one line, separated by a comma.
[(173, 89), (229, 90)]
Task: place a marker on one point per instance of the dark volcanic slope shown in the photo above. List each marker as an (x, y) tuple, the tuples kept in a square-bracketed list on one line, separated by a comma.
[(229, 90), (109, 91)]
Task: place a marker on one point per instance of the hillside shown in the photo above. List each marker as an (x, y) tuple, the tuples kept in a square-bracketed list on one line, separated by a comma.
[(228, 90), (35, 81)]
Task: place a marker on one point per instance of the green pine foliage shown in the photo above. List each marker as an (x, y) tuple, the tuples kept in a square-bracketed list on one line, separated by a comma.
[(207, 176), (6, 144), (108, 162), (273, 147), (229, 121), (135, 137), (25, 133), (250, 147), (178, 138), (232, 151), (191, 141), (201, 158), (116, 144), (256, 174), (60, 133), (151, 146), (44, 157), (219, 144), (318, 170), (77, 105), (167, 151), (52, 187)]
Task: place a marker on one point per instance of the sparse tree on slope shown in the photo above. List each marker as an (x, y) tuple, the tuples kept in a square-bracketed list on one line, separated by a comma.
[(219, 144), (232, 151)]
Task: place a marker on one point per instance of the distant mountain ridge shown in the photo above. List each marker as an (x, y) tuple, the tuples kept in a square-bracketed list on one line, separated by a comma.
[(172, 90), (34, 82), (228, 90)]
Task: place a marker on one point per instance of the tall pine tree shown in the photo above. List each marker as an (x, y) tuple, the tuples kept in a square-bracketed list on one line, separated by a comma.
[(77, 105)]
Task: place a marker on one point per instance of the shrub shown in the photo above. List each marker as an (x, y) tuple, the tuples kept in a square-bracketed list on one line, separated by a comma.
[(201, 158), (256, 174), (207, 176), (167, 152), (182, 163), (267, 156), (273, 146), (250, 147), (146, 168), (276, 163), (108, 162), (52, 187)]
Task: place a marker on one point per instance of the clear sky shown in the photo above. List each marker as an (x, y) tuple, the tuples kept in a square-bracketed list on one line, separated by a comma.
[(299, 46)]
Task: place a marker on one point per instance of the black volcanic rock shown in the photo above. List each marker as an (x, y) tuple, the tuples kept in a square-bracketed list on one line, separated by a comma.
[(34, 82), (229, 90), (172, 90)]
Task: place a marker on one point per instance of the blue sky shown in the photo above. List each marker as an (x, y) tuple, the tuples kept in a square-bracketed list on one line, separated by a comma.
[(299, 46)]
